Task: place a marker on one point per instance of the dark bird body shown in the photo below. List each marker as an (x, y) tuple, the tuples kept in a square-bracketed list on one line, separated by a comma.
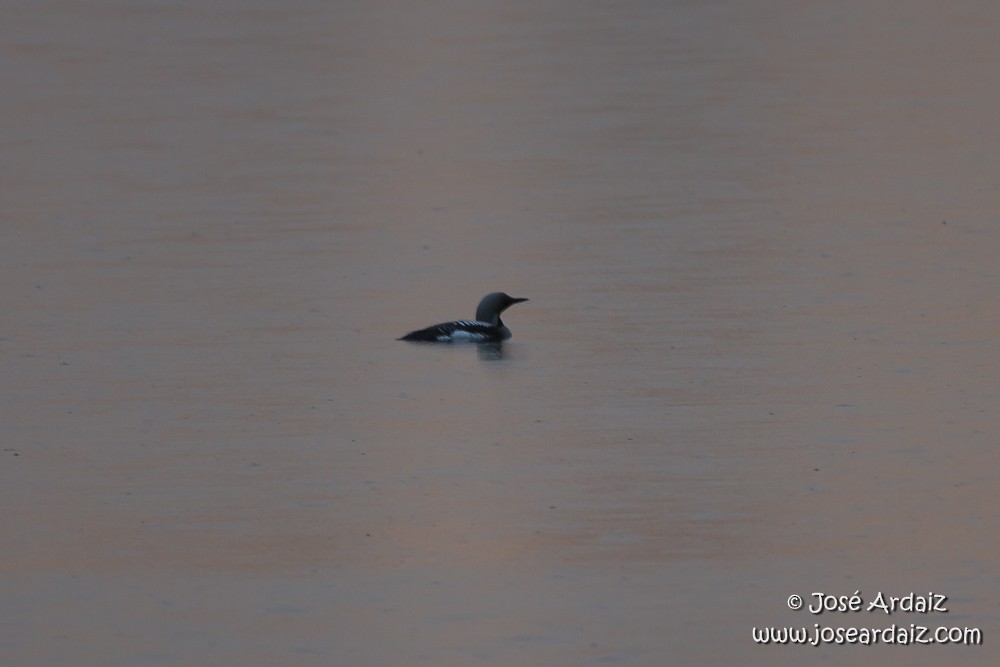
[(486, 328)]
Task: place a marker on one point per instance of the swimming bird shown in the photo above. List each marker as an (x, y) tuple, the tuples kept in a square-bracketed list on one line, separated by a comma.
[(486, 328)]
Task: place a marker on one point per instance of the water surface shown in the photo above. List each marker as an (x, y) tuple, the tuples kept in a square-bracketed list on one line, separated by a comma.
[(759, 357)]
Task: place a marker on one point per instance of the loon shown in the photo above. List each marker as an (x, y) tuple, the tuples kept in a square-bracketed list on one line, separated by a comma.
[(486, 328)]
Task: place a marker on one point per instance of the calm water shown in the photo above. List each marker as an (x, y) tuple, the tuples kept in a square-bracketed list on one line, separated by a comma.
[(760, 355)]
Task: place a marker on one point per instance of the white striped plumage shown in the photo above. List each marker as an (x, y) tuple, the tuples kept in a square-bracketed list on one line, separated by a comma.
[(487, 327)]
